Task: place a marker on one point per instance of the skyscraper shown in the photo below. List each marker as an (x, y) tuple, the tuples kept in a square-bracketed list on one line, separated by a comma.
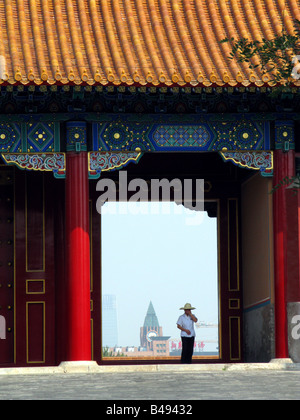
[(109, 321)]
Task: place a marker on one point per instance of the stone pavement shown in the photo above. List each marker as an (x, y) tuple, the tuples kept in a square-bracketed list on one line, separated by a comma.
[(254, 385), (166, 384)]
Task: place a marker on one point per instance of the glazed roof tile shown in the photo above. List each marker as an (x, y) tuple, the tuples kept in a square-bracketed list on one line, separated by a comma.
[(141, 42)]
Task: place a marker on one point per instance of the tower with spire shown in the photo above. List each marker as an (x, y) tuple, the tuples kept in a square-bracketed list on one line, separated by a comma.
[(150, 329)]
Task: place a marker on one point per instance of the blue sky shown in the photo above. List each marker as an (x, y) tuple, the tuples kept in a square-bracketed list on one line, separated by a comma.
[(163, 258)]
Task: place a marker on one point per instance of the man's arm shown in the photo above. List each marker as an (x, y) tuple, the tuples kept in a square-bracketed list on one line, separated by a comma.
[(195, 319), (183, 329)]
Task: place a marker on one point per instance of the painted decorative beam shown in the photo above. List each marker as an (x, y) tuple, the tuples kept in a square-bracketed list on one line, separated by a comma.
[(184, 133), (48, 162), (125, 132), (56, 162), (284, 135), (260, 161), (34, 142), (110, 161), (29, 137)]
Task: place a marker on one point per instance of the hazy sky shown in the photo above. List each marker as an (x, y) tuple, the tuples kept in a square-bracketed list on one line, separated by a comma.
[(161, 258)]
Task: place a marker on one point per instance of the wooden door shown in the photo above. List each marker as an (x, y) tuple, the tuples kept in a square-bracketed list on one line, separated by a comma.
[(7, 286), (230, 289), (34, 269)]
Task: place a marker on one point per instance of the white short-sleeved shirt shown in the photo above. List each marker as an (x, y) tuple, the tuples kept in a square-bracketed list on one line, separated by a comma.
[(188, 324)]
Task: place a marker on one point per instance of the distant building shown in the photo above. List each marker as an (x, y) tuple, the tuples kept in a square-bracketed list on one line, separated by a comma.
[(153, 344), (109, 321), (151, 334)]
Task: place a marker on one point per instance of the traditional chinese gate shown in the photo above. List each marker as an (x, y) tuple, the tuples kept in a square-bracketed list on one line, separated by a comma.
[(89, 87), (52, 313)]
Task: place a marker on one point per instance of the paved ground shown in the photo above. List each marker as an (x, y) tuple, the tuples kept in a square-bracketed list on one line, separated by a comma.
[(151, 386)]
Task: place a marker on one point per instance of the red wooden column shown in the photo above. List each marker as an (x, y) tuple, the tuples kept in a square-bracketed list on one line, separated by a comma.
[(77, 245), (284, 168)]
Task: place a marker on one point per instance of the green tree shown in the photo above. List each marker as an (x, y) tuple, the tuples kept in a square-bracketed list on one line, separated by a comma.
[(278, 58), (107, 353)]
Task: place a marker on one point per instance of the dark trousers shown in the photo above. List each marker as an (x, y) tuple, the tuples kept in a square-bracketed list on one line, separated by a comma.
[(187, 349)]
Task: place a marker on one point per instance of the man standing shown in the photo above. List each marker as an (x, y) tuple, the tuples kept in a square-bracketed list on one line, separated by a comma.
[(186, 324)]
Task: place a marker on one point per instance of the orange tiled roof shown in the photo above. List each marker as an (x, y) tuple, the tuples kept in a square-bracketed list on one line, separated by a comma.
[(133, 41)]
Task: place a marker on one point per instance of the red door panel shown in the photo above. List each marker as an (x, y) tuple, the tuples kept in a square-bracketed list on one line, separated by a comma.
[(35, 275), (7, 266)]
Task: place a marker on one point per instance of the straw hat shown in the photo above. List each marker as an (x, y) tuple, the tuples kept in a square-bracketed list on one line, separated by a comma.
[(188, 306)]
